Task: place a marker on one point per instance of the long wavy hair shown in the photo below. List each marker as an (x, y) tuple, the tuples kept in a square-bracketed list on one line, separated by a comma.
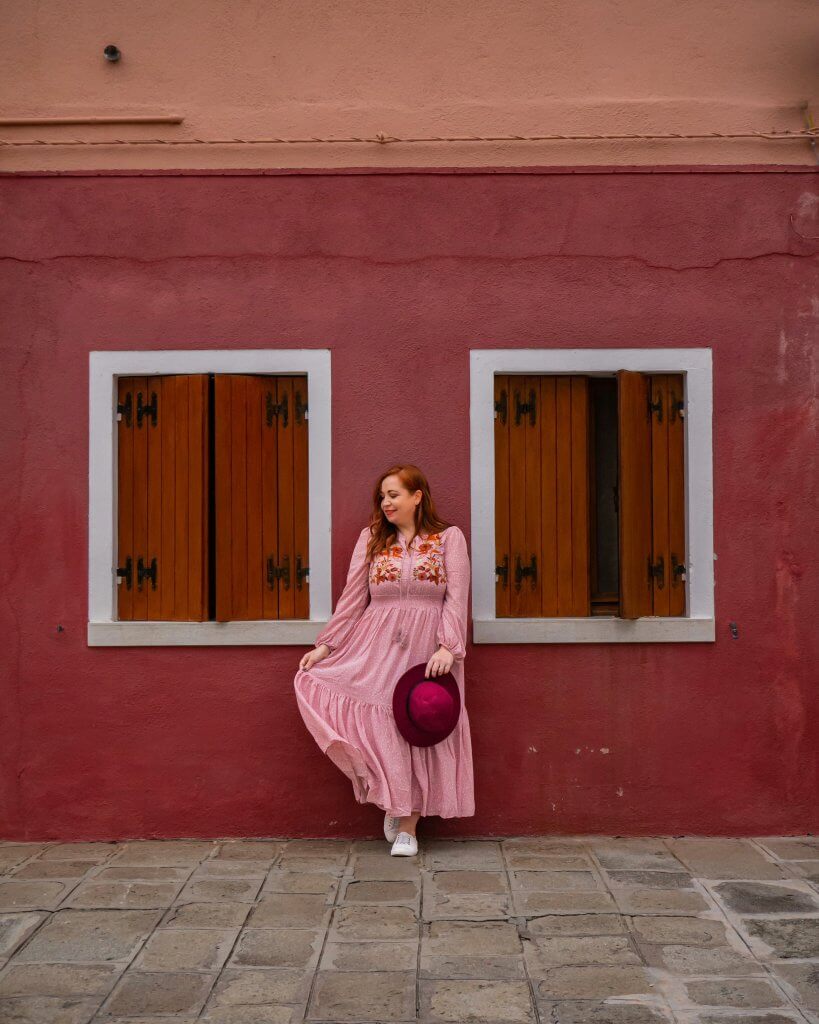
[(427, 519)]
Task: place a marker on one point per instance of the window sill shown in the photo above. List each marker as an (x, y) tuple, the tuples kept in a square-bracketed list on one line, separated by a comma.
[(599, 629), (293, 632)]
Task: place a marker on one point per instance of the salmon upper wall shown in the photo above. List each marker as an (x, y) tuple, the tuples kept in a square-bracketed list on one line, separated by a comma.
[(401, 276), (255, 70)]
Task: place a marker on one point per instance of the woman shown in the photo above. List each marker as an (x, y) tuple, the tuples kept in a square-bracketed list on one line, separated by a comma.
[(404, 603)]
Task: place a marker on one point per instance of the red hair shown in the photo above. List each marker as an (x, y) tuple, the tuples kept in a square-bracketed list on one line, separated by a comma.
[(426, 518)]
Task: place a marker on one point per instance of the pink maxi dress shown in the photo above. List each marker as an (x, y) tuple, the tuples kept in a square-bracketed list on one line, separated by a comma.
[(393, 613)]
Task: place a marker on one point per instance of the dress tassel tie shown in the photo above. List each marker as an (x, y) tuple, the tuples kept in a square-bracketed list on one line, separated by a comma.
[(400, 635)]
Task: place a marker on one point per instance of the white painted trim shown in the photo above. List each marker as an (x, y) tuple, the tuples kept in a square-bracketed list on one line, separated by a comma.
[(104, 367), (299, 632), (595, 629), (696, 366)]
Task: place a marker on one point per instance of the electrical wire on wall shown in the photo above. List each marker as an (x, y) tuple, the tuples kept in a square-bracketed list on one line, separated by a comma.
[(380, 138), (810, 133)]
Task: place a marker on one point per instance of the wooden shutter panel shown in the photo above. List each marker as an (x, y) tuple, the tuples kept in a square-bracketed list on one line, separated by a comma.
[(261, 497), (569, 485), (162, 489), (542, 495), (634, 489), (524, 508), (651, 490), (503, 495), (294, 601), (676, 493), (668, 494)]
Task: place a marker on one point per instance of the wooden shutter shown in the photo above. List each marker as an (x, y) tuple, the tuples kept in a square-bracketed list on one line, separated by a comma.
[(634, 489), (676, 493), (571, 484), (503, 498), (651, 492), (542, 495), (261, 497), (162, 489), (668, 493)]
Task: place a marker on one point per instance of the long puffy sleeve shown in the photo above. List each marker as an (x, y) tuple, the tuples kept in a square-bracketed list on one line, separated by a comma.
[(354, 598), (452, 625)]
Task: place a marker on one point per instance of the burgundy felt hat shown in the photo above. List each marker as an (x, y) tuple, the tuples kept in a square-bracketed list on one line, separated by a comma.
[(426, 710)]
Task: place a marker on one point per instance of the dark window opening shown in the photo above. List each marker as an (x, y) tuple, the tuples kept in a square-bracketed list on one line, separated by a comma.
[(603, 444)]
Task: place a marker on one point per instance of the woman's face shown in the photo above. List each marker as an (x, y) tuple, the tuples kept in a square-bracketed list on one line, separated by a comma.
[(397, 503)]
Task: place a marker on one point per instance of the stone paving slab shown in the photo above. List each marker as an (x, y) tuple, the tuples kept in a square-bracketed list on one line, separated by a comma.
[(186, 949), (363, 996), (543, 954), (247, 987), (404, 891), (289, 910), (735, 992), (69, 980), (300, 881), (451, 882), (398, 955), (47, 1010), (524, 930), (461, 906), (159, 994), (592, 1011), (207, 915), (576, 924), (122, 895), (489, 968), (481, 1002), (554, 881), (15, 929), (725, 858), (805, 869), (533, 904)]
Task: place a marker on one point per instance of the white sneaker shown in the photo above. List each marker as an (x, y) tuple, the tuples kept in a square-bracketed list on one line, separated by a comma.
[(405, 845), (391, 828)]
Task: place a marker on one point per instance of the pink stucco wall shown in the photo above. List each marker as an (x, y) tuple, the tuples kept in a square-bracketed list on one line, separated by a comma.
[(254, 69), (400, 275)]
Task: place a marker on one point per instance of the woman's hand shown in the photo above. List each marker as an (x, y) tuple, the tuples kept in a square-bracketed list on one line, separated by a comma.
[(440, 662), (314, 657)]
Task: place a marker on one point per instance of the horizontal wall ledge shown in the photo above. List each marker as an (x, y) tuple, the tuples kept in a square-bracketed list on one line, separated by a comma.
[(537, 170), (50, 122), (299, 633), (602, 629)]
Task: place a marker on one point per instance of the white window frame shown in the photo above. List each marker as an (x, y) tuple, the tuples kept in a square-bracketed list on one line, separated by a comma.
[(696, 366), (104, 629)]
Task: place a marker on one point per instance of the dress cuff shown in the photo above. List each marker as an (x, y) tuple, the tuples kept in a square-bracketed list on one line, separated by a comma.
[(452, 644)]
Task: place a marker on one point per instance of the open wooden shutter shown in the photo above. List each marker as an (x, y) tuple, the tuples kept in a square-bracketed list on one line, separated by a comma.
[(541, 495), (291, 492), (503, 498), (651, 494), (162, 489), (261, 497), (668, 494)]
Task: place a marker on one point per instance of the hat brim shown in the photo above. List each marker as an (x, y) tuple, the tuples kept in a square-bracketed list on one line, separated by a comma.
[(414, 735)]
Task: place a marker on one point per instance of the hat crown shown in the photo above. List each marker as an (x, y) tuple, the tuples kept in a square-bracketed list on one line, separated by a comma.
[(430, 706)]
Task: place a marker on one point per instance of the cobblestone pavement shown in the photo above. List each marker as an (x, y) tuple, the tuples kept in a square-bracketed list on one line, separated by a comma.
[(561, 929)]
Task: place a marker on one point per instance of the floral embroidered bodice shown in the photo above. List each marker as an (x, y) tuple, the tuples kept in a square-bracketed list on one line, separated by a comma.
[(425, 555), (413, 580)]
